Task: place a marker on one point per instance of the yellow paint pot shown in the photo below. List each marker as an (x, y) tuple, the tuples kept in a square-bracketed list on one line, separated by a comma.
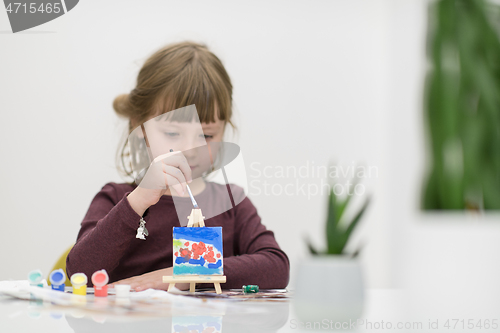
[(79, 282)]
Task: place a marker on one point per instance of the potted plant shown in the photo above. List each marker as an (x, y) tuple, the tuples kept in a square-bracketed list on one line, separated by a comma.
[(329, 284), (462, 107)]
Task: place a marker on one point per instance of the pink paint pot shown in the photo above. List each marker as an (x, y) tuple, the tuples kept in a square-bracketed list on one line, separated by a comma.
[(100, 280)]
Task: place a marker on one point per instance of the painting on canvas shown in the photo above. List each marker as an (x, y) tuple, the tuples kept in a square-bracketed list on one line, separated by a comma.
[(181, 324), (197, 251)]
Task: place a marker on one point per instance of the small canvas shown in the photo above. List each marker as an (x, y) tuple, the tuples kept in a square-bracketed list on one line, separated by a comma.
[(197, 251)]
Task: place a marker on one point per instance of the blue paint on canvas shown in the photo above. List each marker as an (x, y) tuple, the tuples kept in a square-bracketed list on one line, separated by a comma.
[(196, 270), (208, 235), (216, 265)]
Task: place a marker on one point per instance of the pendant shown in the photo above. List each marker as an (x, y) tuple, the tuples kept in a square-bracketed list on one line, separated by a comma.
[(142, 231)]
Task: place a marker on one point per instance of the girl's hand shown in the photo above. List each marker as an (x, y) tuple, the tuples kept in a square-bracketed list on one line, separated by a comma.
[(171, 169), (152, 280)]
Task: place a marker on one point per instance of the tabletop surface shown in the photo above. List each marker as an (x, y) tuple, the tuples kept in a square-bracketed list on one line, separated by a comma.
[(405, 311), (175, 314)]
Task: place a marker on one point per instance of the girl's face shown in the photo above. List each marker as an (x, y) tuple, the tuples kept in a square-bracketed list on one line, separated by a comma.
[(164, 135)]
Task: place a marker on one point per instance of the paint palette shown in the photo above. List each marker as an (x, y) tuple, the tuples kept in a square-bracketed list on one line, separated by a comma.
[(197, 251)]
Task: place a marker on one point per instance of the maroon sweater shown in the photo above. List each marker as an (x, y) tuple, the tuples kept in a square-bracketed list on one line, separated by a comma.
[(107, 239)]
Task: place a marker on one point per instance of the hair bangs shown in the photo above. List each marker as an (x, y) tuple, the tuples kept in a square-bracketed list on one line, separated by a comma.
[(194, 86)]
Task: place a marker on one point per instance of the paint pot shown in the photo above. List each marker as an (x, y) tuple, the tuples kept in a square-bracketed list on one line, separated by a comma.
[(79, 282), (250, 289), (100, 280), (35, 278), (122, 290), (57, 279)]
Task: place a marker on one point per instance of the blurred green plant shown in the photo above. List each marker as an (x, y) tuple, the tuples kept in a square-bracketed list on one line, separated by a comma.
[(339, 226), (462, 106)]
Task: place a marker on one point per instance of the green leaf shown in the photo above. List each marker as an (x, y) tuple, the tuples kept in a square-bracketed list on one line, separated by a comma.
[(342, 204), (356, 219), (333, 235), (332, 209)]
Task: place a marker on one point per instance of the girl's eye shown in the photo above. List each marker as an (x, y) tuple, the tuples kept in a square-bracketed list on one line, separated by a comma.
[(171, 134)]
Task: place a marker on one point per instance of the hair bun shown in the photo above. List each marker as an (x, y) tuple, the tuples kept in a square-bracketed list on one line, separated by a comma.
[(122, 106)]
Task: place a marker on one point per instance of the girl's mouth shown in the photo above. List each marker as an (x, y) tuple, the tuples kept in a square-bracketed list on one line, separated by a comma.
[(193, 166)]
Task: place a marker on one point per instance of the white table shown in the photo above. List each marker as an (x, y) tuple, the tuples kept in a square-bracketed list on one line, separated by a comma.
[(415, 311)]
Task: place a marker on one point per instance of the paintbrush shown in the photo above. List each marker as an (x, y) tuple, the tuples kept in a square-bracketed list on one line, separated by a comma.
[(192, 197), (189, 191)]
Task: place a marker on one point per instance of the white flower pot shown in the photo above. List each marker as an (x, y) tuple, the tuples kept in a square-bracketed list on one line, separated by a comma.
[(328, 288)]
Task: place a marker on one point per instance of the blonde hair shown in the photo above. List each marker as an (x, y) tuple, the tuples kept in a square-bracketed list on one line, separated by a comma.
[(176, 76)]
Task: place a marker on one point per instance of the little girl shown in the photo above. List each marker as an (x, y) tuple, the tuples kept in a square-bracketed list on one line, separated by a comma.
[(174, 77)]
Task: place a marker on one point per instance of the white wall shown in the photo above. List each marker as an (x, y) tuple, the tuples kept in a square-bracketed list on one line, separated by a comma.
[(314, 81)]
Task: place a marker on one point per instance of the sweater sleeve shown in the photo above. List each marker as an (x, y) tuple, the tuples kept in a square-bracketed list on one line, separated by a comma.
[(260, 261), (106, 232)]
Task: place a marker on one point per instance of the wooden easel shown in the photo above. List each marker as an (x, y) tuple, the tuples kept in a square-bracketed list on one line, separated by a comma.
[(195, 219)]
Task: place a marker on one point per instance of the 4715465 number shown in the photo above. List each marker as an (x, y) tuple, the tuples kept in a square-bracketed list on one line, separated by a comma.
[(471, 324), (25, 7)]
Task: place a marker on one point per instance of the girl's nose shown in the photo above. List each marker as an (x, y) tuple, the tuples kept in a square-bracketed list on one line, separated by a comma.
[(189, 151), (188, 143)]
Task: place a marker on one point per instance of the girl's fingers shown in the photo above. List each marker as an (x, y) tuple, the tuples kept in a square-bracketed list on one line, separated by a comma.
[(177, 174), (178, 160), (185, 168), (173, 182)]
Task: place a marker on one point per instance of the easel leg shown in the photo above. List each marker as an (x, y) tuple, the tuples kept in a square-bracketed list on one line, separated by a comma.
[(171, 286), (191, 287), (217, 288)]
